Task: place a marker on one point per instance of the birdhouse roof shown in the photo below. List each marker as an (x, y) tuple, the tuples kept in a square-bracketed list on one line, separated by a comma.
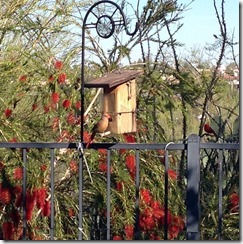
[(114, 79)]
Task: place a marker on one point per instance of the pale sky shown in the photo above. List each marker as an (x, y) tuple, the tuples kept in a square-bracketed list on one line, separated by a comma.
[(200, 22)]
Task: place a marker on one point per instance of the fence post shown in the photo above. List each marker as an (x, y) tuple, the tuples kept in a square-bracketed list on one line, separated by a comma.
[(192, 194)]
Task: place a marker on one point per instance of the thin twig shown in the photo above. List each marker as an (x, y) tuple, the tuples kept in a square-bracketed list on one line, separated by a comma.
[(92, 102)]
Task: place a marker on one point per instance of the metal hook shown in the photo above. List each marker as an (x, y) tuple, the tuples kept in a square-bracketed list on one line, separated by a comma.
[(104, 20)]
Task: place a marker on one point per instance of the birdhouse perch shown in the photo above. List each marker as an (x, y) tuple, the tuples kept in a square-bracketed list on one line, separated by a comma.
[(118, 99)]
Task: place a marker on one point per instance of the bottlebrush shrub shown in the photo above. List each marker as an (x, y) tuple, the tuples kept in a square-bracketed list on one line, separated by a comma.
[(151, 199), (49, 120), (11, 198)]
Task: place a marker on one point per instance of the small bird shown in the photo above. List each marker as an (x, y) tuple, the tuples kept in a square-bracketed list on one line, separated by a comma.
[(208, 129), (100, 127)]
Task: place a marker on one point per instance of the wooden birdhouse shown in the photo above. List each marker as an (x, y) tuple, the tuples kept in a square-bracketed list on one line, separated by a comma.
[(118, 99)]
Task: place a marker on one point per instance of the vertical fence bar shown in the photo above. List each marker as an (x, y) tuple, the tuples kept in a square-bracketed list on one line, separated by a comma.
[(80, 197), (137, 229), (220, 161), (24, 192), (166, 195), (52, 193), (193, 180), (108, 209), (166, 191)]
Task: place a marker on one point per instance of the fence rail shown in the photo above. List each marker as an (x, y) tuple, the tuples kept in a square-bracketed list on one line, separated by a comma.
[(192, 147)]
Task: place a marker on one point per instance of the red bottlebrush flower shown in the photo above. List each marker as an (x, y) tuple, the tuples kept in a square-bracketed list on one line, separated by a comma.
[(71, 119), (40, 197), (102, 152), (158, 214), (78, 105), (172, 174), (116, 238), (23, 78), (55, 97), (46, 108), (65, 135), (129, 232), (157, 238), (18, 173), (17, 189), (234, 199), (178, 221), (173, 232), (8, 230), (5, 195), (73, 166), (132, 175), (51, 78), (122, 151), (145, 196), (8, 112), (147, 212), (58, 65), (62, 78), (234, 202), (129, 138), (87, 136), (46, 210), (30, 203), (103, 166), (142, 224), (130, 162), (13, 140), (18, 232), (149, 221), (169, 218), (119, 185), (66, 103), (70, 212), (153, 236), (43, 167), (155, 205), (34, 106)]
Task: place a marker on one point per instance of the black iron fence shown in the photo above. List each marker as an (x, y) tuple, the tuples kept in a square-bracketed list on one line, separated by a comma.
[(193, 148)]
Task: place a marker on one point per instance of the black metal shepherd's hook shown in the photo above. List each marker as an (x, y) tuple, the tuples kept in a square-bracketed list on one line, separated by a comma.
[(105, 27)]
